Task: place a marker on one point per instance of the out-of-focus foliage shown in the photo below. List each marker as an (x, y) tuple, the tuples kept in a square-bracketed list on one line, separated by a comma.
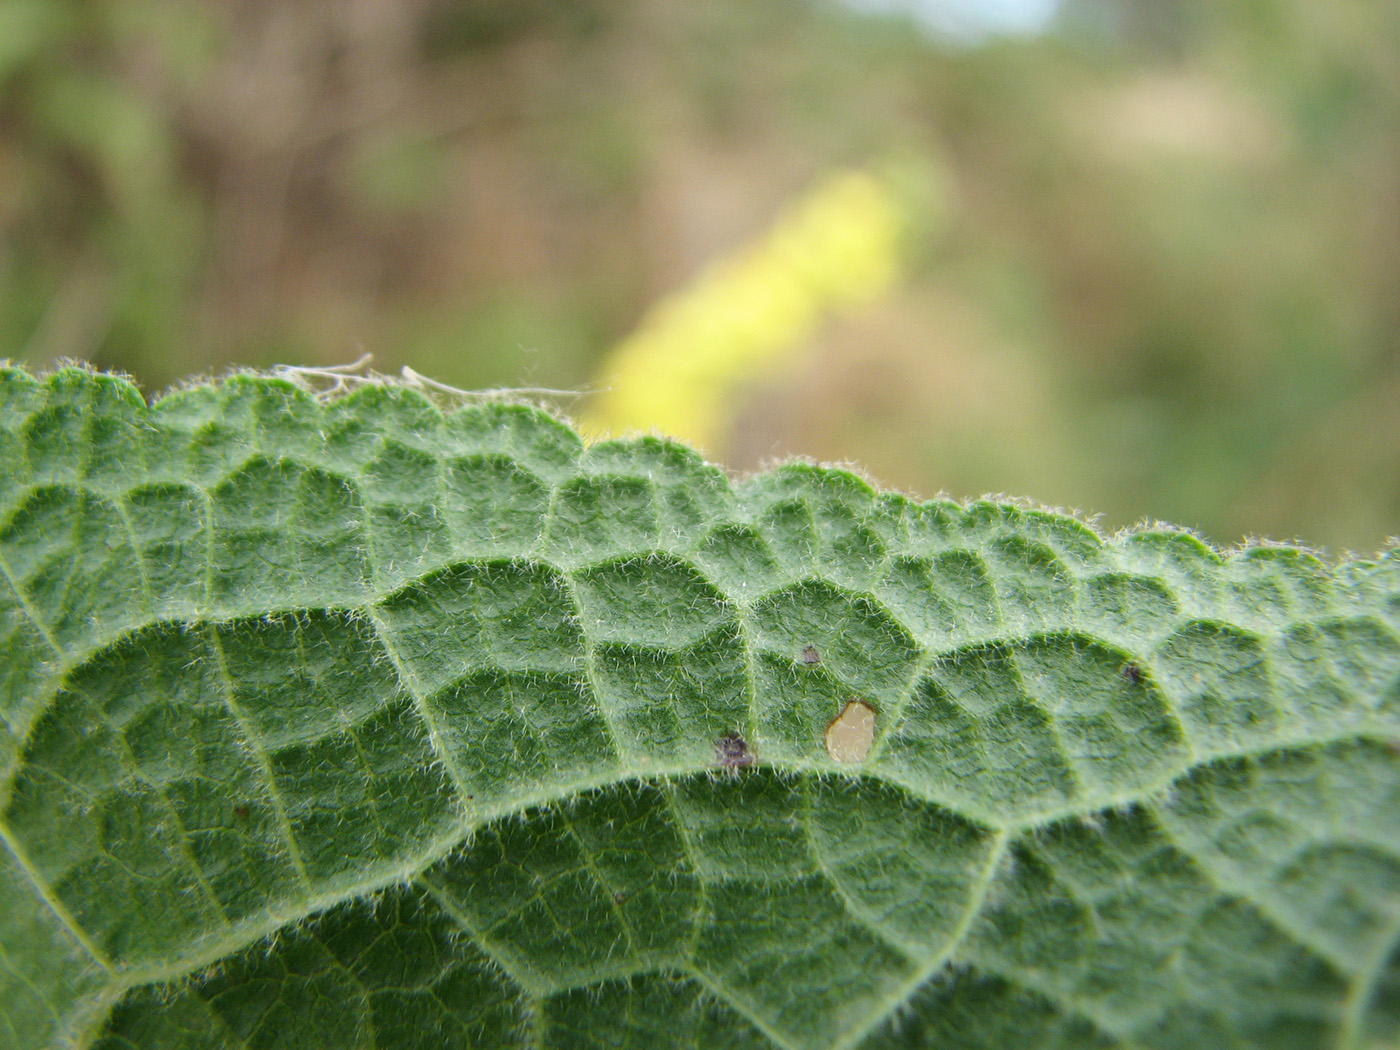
[(1168, 287)]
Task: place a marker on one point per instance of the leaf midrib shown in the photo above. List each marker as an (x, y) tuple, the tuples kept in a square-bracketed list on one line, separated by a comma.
[(68, 662), (246, 932)]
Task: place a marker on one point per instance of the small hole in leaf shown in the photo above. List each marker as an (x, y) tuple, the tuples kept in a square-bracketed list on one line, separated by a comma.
[(810, 656), (732, 752), (850, 734)]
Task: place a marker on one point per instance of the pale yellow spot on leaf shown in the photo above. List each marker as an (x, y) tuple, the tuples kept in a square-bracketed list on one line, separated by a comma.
[(851, 733)]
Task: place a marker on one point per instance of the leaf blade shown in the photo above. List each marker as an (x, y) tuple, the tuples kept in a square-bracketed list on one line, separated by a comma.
[(301, 743)]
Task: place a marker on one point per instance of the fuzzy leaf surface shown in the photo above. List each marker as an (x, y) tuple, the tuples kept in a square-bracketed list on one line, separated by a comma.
[(366, 724)]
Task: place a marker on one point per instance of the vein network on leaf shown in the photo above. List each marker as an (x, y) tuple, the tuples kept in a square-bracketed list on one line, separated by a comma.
[(370, 713)]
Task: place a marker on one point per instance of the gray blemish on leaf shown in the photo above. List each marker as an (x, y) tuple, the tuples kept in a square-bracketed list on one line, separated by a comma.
[(810, 656), (851, 733), (732, 752)]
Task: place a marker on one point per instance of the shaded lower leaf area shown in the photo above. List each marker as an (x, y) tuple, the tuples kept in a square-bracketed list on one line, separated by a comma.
[(756, 909)]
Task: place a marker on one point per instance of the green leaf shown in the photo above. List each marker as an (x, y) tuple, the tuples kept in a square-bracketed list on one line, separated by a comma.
[(359, 724)]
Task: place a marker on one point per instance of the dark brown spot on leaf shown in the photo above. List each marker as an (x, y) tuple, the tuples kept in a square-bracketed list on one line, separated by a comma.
[(1132, 672), (810, 656), (732, 752), (240, 811)]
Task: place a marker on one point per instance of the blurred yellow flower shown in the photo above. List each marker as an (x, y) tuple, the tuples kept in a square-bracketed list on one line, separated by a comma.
[(835, 249)]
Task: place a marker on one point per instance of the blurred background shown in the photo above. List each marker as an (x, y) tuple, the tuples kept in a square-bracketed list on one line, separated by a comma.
[(1135, 257)]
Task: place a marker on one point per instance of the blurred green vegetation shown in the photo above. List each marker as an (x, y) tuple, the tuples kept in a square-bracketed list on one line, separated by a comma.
[(1167, 284)]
